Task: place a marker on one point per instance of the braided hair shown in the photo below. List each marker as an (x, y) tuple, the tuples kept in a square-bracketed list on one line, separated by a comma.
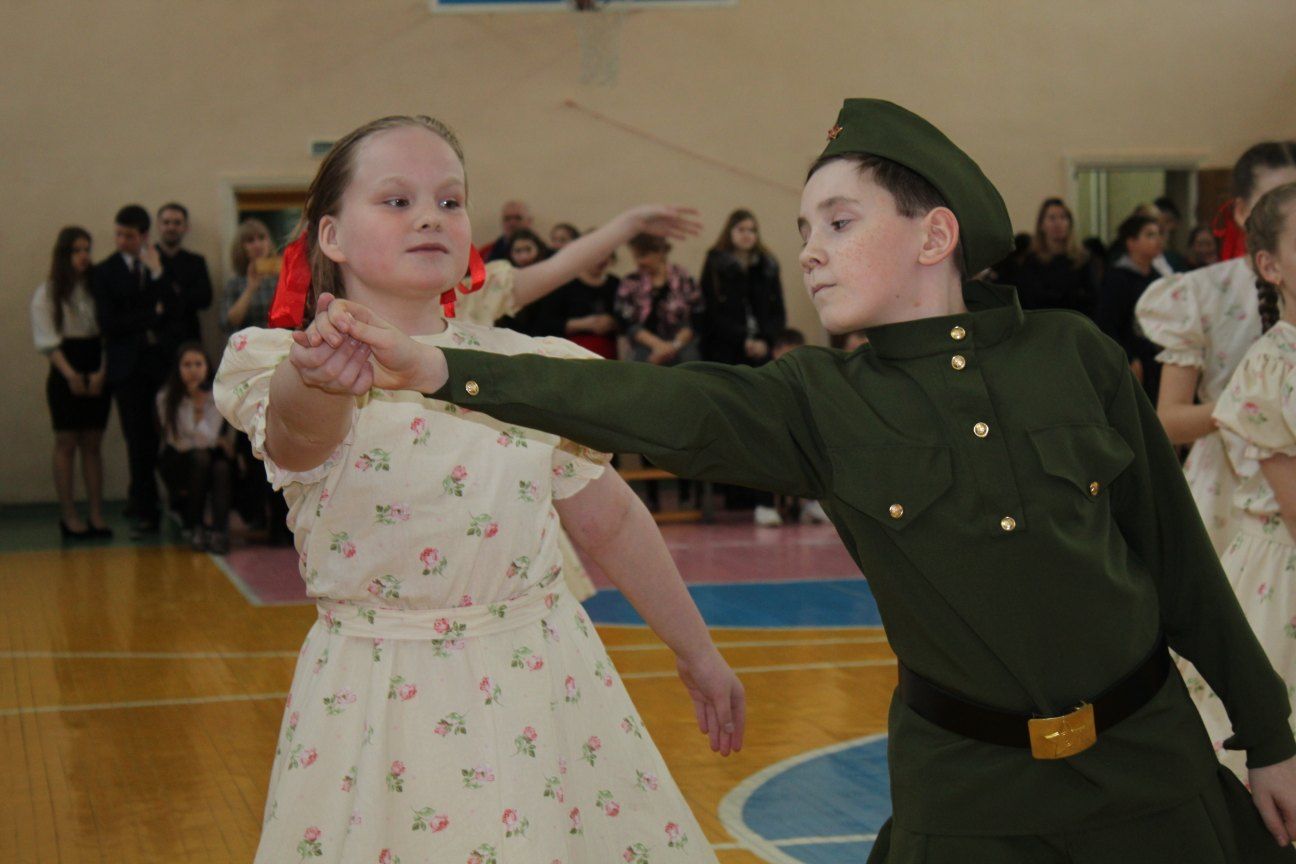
[(1263, 228)]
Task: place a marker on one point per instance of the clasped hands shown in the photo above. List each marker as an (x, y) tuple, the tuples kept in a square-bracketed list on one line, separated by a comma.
[(349, 349)]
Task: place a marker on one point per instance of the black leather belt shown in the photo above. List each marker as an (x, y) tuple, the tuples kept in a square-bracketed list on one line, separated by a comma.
[(1046, 737)]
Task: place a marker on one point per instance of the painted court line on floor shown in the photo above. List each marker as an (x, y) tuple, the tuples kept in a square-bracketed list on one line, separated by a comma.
[(731, 807), (253, 697), (258, 655)]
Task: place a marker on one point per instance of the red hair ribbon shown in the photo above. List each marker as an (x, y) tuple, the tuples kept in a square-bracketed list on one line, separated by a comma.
[(1225, 228), (477, 278), (289, 306)]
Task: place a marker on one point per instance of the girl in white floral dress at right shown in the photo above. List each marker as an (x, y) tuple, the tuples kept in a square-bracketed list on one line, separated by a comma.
[(452, 702), (1257, 417)]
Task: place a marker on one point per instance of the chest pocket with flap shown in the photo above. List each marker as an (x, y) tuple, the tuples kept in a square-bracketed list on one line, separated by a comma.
[(893, 485), (1087, 456)]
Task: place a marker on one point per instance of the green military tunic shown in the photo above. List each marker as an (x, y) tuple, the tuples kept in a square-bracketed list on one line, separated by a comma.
[(1023, 523)]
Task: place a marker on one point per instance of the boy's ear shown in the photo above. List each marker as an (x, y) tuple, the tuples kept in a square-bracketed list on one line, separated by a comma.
[(940, 236), (327, 240)]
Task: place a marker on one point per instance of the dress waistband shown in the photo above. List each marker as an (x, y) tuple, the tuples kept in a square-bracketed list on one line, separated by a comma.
[(443, 627), (1269, 528)]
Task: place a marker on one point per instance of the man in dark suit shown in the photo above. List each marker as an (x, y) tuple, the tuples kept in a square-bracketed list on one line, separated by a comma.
[(187, 289), (127, 288), (514, 216)]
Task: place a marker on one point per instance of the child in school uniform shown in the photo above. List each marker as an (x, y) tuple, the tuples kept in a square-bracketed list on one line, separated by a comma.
[(452, 701), (1257, 419), (1007, 488)]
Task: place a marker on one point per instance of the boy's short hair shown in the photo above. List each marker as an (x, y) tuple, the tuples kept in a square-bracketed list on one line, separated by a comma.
[(133, 216), (914, 195), (789, 336), (176, 206), (646, 244)]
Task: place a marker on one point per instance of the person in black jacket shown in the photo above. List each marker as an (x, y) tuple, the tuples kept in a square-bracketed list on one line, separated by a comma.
[(743, 295), (127, 288), (1139, 237), (1056, 272), (187, 289)]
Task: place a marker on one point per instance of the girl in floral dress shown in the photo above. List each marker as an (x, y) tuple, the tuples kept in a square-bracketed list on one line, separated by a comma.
[(1204, 322), (1257, 416), (452, 702)]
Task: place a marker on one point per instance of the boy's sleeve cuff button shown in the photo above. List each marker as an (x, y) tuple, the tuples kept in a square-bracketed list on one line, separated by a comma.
[(471, 388)]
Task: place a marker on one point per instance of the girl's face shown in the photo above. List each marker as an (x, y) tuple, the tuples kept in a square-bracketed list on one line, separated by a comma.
[(1147, 244), (560, 236), (1056, 224), (402, 225), (523, 252), (80, 256), (257, 246), (193, 370), (744, 235), (1265, 179), (1204, 249), (859, 256), (1279, 266)]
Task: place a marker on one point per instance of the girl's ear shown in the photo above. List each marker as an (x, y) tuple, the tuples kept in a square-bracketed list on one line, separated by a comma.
[(1266, 265), (327, 240), (940, 236)]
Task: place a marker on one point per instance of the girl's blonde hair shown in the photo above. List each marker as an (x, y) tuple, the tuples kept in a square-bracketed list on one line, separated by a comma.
[(248, 229), (324, 198), (1264, 226), (1039, 243)]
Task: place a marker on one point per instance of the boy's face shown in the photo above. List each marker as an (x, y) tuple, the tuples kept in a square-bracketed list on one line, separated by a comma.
[(128, 240), (860, 256), (172, 226)]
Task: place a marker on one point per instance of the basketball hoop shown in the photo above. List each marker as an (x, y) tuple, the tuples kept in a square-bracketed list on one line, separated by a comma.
[(600, 38)]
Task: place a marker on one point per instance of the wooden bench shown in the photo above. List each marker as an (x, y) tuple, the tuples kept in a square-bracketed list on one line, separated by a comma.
[(706, 514)]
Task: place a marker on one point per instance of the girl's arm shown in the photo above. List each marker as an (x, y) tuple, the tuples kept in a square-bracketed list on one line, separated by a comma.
[(1184, 422), (312, 397), (609, 523), (585, 252)]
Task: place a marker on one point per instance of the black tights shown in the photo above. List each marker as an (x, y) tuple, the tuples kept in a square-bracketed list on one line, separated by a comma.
[(192, 478)]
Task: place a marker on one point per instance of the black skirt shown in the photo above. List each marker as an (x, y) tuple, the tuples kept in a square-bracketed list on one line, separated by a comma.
[(75, 413)]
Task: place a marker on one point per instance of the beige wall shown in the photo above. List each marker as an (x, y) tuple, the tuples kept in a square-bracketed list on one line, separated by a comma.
[(135, 100)]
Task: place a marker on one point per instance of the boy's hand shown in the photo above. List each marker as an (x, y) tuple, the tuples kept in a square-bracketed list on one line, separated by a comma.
[(1273, 788), (718, 699), (399, 363)]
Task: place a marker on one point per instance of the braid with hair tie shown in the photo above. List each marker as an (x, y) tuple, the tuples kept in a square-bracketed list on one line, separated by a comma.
[(1268, 304)]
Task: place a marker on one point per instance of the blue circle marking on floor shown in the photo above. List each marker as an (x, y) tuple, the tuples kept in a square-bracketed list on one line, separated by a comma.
[(799, 603), (819, 807)]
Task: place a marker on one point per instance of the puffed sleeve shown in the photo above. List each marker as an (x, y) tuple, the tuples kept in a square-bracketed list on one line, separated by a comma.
[(44, 333), (493, 301), (242, 391), (1169, 313), (574, 465), (1257, 410)]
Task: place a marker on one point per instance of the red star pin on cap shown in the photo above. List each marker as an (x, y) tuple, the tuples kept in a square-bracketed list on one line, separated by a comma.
[(834, 132)]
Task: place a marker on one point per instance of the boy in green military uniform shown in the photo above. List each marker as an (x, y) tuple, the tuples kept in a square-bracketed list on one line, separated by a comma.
[(1009, 492)]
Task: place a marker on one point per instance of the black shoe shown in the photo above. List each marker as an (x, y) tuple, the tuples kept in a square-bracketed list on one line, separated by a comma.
[(68, 534), (104, 533)]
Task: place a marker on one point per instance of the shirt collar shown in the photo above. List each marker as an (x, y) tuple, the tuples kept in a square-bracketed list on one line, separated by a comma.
[(993, 315)]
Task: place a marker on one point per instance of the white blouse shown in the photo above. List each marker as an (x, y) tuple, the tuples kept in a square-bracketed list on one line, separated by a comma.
[(78, 318), (191, 432)]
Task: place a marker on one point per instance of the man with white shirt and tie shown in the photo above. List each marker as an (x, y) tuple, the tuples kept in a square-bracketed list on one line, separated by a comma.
[(127, 288)]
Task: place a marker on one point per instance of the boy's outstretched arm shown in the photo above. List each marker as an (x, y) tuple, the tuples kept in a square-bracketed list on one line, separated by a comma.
[(608, 522)]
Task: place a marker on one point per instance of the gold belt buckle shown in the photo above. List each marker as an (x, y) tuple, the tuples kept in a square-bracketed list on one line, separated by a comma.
[(1060, 737)]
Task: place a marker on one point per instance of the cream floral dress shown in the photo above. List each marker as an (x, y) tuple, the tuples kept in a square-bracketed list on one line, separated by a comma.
[(452, 702), (1206, 319), (491, 302), (1257, 413)]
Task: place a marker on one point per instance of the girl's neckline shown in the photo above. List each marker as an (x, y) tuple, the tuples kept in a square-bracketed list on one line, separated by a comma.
[(444, 336)]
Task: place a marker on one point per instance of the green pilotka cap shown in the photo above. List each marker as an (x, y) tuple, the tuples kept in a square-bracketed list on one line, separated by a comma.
[(884, 129)]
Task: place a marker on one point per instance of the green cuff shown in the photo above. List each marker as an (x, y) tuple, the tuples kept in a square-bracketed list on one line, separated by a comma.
[(469, 377), (1278, 746)]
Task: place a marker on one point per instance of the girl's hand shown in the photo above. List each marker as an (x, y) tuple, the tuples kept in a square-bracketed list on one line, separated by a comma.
[(674, 223), (398, 362), (344, 370), (96, 382), (718, 700), (1273, 788), (77, 384)]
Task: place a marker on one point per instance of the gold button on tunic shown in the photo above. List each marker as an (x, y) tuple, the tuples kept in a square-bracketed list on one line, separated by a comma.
[(959, 362), (1008, 523), (1094, 487), (471, 388), (958, 334), (896, 511), (980, 430)]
